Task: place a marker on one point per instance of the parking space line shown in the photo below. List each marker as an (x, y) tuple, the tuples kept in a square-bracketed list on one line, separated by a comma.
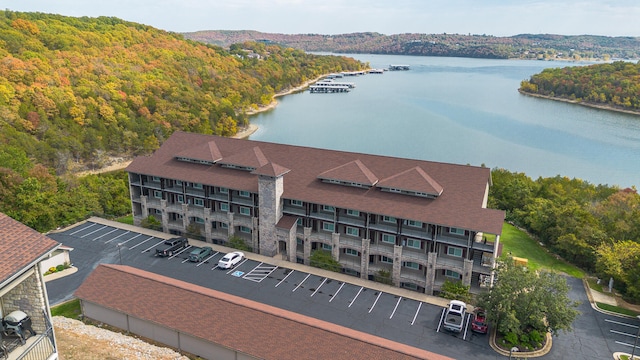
[(354, 299), (135, 246), (301, 282), (375, 302), (336, 294), (108, 241), (180, 252), (215, 267), (441, 317), (260, 272), (622, 333), (207, 259), (396, 308), (115, 229), (466, 327), (285, 278), (416, 315), (83, 228), (626, 344), (149, 248), (126, 241), (318, 288), (185, 260), (94, 231), (621, 323)]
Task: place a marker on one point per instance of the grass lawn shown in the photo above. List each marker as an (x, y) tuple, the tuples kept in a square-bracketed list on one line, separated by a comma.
[(519, 244), (70, 309), (126, 219)]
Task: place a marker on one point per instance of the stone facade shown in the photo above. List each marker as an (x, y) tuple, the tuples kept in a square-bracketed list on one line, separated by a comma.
[(28, 297)]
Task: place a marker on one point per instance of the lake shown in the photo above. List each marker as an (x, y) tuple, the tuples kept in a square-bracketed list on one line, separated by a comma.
[(464, 111)]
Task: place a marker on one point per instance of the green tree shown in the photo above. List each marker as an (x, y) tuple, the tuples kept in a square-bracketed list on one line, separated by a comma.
[(621, 261), (236, 242), (455, 290), (322, 259), (522, 301), (150, 222)]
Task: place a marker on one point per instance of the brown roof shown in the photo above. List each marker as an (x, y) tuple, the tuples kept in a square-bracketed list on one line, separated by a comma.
[(354, 171), (249, 158), (252, 328), (271, 169), (414, 179), (20, 247), (459, 205), (207, 152)]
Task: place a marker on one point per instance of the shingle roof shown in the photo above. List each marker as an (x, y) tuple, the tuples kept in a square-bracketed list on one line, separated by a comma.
[(253, 328), (249, 158), (354, 171), (20, 246), (459, 205), (271, 169), (207, 152), (414, 179)]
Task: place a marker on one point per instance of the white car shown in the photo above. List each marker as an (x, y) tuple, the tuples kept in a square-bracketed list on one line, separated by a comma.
[(230, 260)]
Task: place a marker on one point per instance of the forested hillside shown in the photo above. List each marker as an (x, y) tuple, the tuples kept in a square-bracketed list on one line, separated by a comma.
[(75, 89), (526, 46), (615, 85)]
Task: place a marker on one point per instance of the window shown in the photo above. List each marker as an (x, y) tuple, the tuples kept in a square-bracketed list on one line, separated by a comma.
[(326, 247), (412, 243), (178, 182), (454, 251), (299, 222), (411, 265), (328, 208), (224, 225), (245, 210), (223, 190), (409, 286), (198, 202), (389, 219), (155, 178), (452, 274), (327, 226), (180, 199), (353, 212), (456, 231), (385, 259), (296, 202), (353, 231), (391, 239), (157, 194), (224, 207), (197, 186), (351, 252), (245, 229), (299, 241), (199, 220), (413, 223), (244, 193)]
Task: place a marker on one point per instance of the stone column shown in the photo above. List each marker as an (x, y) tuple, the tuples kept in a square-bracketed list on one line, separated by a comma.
[(207, 224), (232, 227), (270, 191), (397, 265), (307, 245), (467, 272), (185, 217), (255, 239), (364, 259), (431, 273), (144, 206), (165, 216), (335, 246), (292, 243)]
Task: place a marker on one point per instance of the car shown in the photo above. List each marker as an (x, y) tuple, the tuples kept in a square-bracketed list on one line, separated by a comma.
[(479, 322), (198, 254), (230, 260)]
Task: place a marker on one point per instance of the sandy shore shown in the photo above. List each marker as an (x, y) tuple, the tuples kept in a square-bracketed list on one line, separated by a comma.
[(246, 131)]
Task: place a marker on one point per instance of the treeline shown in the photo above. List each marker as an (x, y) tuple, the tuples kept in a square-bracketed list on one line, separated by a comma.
[(525, 46), (615, 85), (594, 227), (78, 90)]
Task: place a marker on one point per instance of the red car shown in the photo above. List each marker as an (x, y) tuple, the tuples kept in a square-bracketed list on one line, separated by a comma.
[(479, 322)]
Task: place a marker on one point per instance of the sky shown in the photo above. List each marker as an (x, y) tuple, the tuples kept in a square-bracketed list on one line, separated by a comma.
[(331, 17)]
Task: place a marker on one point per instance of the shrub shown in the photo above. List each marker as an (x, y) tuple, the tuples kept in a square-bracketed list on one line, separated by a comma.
[(52, 269), (511, 338), (536, 338), (60, 267)]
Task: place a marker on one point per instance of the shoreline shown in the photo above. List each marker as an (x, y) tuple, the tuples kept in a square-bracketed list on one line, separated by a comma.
[(575, 102), (248, 130)]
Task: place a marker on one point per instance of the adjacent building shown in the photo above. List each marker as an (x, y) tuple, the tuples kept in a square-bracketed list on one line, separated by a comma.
[(22, 288), (414, 223)]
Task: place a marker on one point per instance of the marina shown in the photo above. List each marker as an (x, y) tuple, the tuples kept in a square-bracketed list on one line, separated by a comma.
[(331, 86), (398, 67)]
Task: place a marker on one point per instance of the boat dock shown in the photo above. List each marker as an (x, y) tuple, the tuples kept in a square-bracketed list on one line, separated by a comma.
[(328, 88), (398, 67)]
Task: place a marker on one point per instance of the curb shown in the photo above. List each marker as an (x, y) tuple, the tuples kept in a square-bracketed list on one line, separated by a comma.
[(529, 354), (595, 307), (61, 274)]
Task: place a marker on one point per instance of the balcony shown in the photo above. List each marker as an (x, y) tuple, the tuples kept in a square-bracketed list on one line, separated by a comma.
[(293, 210), (416, 233), (358, 222), (350, 242), (380, 249), (322, 216), (36, 347)]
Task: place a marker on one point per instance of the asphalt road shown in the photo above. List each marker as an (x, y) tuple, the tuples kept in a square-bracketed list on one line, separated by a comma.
[(409, 321)]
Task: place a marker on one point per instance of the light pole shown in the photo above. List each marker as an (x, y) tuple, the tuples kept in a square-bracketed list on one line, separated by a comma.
[(633, 351), (119, 254), (512, 350)]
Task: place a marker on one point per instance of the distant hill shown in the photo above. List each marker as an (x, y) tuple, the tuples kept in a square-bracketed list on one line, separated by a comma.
[(526, 46), (77, 90)]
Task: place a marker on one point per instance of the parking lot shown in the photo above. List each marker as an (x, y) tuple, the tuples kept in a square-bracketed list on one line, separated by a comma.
[(388, 312)]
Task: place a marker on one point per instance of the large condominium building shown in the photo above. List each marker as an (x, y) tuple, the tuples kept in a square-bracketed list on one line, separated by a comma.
[(416, 223)]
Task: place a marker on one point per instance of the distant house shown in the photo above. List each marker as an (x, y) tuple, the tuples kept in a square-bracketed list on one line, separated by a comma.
[(22, 288), (216, 325)]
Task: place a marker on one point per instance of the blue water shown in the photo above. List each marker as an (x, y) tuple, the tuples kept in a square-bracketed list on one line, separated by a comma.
[(464, 111)]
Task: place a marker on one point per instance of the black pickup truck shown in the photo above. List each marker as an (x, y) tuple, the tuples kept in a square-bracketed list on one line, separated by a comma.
[(171, 246)]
